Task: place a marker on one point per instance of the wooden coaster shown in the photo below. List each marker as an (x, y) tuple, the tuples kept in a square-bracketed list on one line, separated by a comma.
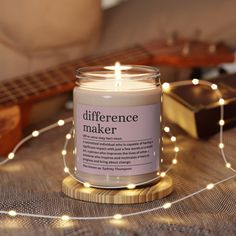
[(76, 190)]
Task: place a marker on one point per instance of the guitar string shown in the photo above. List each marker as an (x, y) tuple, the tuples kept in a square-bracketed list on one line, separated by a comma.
[(23, 90), (41, 81)]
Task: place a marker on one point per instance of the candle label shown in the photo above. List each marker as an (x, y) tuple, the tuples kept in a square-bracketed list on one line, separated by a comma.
[(118, 141)]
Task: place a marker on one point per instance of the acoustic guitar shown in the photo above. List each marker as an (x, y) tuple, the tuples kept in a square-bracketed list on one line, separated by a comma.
[(18, 95)]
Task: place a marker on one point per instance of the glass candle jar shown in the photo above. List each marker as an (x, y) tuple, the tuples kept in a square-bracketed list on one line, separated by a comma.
[(117, 117)]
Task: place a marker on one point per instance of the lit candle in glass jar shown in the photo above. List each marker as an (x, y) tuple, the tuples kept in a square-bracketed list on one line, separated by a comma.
[(117, 115)]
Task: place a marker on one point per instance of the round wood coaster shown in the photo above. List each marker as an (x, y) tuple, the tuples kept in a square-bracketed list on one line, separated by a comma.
[(76, 190)]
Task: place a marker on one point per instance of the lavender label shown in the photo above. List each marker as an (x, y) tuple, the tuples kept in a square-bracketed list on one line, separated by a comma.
[(117, 141)]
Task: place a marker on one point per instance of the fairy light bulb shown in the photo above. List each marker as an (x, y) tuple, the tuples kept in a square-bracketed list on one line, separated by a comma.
[(65, 217), (210, 186), (117, 216), (74, 151), (73, 133), (35, 133), (68, 136), (12, 213), (11, 155), (167, 205), (228, 165), (176, 149), (167, 129), (87, 185), (166, 87), (195, 81), (131, 186), (173, 138), (221, 101), (66, 169), (63, 152), (174, 161), (214, 86), (221, 122), (61, 122), (221, 145), (163, 174)]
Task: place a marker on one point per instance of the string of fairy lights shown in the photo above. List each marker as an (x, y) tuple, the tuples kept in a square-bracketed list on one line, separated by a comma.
[(166, 87)]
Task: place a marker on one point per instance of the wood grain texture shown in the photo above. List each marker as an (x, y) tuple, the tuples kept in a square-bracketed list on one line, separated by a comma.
[(76, 190), (10, 128)]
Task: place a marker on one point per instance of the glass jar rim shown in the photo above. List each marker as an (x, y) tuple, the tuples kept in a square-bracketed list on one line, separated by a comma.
[(136, 72)]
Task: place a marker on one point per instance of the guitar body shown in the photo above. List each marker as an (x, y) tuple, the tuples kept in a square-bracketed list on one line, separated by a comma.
[(15, 118), (10, 128)]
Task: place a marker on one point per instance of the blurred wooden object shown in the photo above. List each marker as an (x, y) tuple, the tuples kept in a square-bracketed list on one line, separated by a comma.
[(196, 109), (28, 90), (185, 53), (10, 128)]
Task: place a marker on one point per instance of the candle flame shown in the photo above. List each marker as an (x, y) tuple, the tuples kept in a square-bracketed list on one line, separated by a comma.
[(117, 68), (117, 71), (117, 74)]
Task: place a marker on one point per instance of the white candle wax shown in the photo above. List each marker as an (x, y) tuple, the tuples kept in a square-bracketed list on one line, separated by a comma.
[(117, 127)]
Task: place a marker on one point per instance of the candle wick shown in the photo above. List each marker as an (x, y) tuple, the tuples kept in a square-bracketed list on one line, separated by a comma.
[(118, 84)]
